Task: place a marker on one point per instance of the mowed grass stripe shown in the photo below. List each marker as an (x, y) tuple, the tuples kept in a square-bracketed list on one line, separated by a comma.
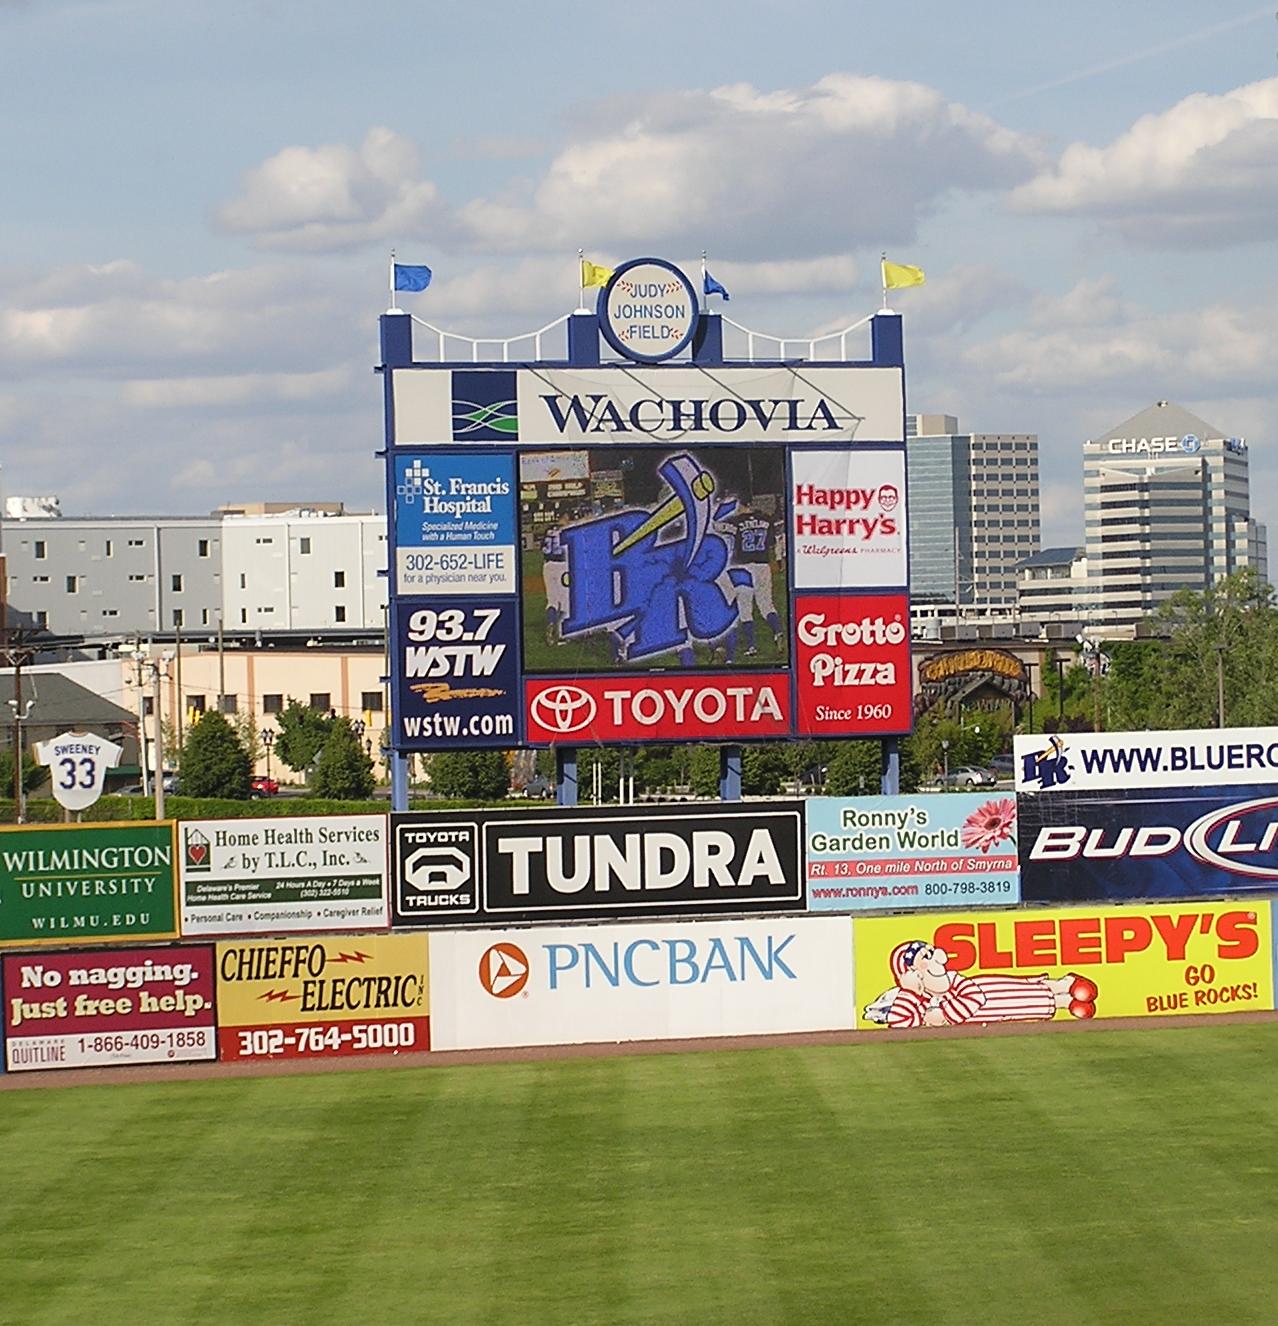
[(1099, 1177)]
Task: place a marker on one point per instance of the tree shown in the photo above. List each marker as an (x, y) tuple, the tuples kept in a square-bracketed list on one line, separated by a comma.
[(303, 732), (469, 775), (855, 769), (344, 771), (33, 774), (214, 762)]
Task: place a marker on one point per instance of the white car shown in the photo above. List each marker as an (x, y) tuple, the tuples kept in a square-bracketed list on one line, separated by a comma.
[(967, 775)]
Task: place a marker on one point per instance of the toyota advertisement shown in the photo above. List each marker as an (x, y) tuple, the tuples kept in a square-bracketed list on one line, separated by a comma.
[(646, 583), (596, 863)]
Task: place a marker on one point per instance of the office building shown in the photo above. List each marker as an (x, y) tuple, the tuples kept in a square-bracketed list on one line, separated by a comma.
[(973, 513), (1167, 507)]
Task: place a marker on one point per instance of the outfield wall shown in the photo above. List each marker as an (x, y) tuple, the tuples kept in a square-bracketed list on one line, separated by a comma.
[(332, 936), (310, 997)]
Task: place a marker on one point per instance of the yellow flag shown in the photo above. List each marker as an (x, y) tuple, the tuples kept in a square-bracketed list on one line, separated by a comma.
[(593, 274), (897, 274)]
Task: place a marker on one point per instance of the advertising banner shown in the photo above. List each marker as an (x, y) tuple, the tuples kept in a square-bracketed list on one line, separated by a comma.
[(320, 998), (1129, 843), (896, 853), (1082, 761), (685, 568), (1077, 962), (455, 523), (83, 883), (298, 874), (472, 867), (458, 673), (97, 1008), (669, 707), (848, 518), (640, 981), (730, 404), (852, 664)]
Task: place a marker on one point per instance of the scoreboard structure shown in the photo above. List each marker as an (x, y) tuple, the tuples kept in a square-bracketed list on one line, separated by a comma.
[(661, 545)]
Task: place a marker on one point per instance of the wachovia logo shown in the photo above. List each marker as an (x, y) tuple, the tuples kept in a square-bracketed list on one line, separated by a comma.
[(503, 970), (485, 406), (654, 576), (563, 709)]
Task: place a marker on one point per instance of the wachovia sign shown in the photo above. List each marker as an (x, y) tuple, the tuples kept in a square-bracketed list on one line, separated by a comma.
[(475, 867), (1130, 843)]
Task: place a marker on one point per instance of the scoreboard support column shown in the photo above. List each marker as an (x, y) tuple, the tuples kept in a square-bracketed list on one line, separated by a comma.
[(729, 773), (566, 775)]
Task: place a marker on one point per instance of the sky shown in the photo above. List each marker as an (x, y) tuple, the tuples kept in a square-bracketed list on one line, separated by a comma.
[(199, 202)]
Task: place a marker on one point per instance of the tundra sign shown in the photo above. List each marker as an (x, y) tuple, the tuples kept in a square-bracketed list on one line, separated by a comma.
[(477, 867)]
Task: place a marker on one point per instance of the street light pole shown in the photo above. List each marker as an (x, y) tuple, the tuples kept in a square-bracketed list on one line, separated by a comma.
[(1060, 682), (268, 740)]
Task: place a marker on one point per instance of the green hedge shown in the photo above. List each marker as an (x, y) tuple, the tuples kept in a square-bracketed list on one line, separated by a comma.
[(44, 810)]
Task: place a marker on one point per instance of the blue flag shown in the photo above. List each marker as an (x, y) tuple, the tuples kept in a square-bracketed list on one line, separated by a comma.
[(712, 287), (411, 278)]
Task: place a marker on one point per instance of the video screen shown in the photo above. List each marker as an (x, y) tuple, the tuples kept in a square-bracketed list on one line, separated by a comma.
[(653, 558)]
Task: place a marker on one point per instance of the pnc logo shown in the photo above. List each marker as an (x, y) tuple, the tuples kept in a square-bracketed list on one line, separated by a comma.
[(503, 970), (563, 709)]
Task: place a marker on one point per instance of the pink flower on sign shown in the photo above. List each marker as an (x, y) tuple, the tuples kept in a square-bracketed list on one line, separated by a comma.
[(989, 825)]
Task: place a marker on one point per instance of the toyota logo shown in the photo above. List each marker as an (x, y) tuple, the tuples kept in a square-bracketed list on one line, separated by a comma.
[(563, 709)]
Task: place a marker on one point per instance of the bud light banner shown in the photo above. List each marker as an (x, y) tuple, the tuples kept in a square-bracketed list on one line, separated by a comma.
[(640, 981), (675, 559), (1130, 843), (457, 679), (477, 867), (454, 522), (896, 853)]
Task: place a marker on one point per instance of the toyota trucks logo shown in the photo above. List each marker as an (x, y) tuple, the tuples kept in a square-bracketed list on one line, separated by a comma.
[(503, 970), (563, 709)]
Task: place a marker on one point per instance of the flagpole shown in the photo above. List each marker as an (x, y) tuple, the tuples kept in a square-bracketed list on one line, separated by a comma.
[(581, 276), (883, 307), (705, 294), (394, 303)]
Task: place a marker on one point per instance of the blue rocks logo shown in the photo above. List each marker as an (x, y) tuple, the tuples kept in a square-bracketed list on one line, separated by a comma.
[(1047, 768), (654, 593)]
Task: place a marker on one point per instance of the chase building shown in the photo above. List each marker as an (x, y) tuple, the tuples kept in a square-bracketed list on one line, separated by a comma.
[(1168, 507)]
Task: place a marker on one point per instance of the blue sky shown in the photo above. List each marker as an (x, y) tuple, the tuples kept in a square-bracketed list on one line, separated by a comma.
[(199, 201)]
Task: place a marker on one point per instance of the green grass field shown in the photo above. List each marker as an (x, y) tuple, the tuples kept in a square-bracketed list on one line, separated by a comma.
[(1106, 1176)]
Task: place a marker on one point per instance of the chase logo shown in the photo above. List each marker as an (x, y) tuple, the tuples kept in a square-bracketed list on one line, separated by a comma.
[(1047, 768), (485, 406), (1189, 444)]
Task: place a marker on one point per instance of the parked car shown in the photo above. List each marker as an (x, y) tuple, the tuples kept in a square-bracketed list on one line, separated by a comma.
[(263, 787), (1003, 766), (135, 789), (539, 788), (967, 775)]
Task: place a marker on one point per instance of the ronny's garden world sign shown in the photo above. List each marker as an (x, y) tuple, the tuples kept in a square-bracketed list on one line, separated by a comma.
[(85, 882)]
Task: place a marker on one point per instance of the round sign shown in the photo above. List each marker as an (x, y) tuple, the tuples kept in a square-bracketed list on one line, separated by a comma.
[(648, 310)]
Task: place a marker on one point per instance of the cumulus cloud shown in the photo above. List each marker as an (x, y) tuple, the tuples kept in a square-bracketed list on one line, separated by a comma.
[(1200, 174), (845, 161), (1089, 338), (334, 197)]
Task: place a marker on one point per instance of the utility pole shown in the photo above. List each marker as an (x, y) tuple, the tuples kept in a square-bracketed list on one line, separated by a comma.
[(221, 667), (159, 739)]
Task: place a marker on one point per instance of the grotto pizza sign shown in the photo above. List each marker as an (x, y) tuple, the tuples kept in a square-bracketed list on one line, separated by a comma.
[(957, 674)]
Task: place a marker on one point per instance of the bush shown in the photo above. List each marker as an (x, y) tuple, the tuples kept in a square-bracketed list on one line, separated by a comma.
[(214, 762), (344, 771)]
